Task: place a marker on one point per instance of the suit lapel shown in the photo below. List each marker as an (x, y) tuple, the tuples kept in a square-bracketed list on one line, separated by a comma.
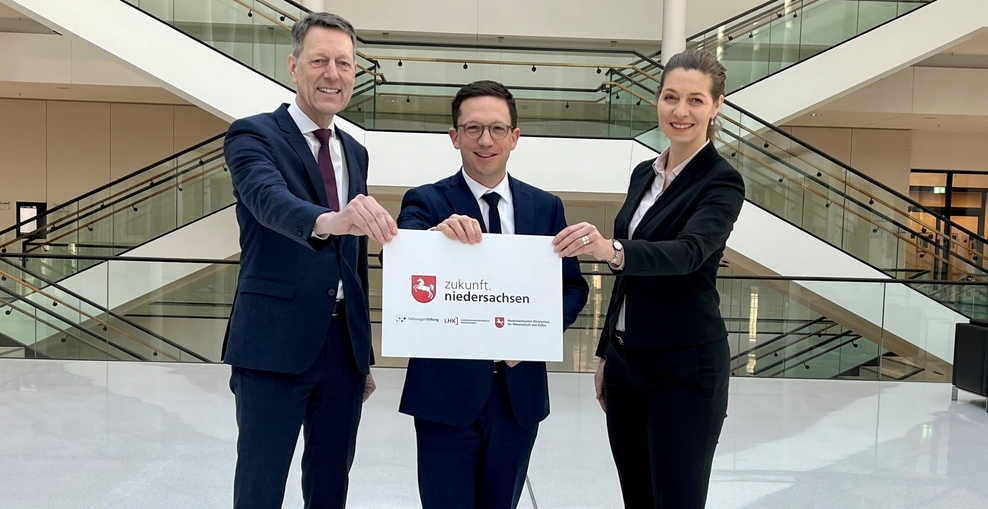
[(463, 201), (635, 194), (353, 170), (524, 206), (302, 150), (683, 181)]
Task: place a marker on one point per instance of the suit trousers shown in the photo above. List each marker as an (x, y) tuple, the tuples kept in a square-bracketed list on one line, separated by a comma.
[(665, 411), (480, 466), (325, 400)]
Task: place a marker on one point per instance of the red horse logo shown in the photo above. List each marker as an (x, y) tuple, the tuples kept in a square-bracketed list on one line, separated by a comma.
[(499, 322), (424, 288)]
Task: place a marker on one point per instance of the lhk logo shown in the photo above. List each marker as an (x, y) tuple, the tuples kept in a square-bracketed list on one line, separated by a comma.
[(424, 288)]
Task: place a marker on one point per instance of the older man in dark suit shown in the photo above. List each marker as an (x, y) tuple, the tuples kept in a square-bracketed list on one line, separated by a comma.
[(476, 420), (299, 335)]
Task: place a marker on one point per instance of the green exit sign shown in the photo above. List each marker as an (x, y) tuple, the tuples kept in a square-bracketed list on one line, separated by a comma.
[(939, 190)]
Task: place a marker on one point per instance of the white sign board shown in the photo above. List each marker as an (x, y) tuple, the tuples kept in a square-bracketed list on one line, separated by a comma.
[(499, 299)]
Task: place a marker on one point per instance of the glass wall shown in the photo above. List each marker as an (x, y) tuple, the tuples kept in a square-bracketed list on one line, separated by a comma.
[(961, 197)]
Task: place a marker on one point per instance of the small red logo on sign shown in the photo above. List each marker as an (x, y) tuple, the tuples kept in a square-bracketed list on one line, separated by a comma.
[(499, 321), (424, 288)]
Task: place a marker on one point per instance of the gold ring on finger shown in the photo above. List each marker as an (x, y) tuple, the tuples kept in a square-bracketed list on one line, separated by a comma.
[(585, 239)]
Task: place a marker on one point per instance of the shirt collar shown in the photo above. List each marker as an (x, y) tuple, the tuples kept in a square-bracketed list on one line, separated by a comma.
[(304, 123), (659, 165), (479, 189)]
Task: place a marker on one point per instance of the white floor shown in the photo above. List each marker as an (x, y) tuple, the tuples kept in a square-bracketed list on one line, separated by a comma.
[(77, 434)]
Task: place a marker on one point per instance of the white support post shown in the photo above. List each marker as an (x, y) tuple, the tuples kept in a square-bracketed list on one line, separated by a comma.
[(673, 28)]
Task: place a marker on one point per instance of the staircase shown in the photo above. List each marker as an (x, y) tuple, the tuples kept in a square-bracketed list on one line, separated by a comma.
[(824, 218)]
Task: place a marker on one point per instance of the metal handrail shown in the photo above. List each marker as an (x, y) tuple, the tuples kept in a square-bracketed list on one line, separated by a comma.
[(108, 312), (136, 190), (55, 327), (851, 338), (917, 240), (111, 184), (373, 256)]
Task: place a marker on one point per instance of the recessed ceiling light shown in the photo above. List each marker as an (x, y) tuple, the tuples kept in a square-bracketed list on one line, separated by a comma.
[(929, 118), (814, 114)]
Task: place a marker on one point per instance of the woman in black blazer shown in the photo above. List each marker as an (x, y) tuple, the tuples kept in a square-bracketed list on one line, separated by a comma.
[(663, 373)]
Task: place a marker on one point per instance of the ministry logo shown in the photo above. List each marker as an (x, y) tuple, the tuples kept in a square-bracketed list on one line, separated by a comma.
[(424, 288), (499, 322)]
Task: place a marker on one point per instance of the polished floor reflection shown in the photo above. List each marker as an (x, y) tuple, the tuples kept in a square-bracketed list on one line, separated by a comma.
[(77, 434)]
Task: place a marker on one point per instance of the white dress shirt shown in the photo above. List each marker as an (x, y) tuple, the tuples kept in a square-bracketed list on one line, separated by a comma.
[(307, 126), (663, 180), (504, 207)]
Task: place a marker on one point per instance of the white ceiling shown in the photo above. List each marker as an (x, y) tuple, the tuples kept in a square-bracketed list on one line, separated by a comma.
[(972, 53), (88, 93), (13, 21)]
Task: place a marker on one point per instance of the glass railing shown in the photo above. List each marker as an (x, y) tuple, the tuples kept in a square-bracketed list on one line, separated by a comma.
[(176, 310), (569, 92), (844, 207), (782, 33), (561, 92), (86, 318), (127, 212)]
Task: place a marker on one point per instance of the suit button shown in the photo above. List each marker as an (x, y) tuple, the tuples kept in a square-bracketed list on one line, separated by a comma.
[(332, 293), (298, 232)]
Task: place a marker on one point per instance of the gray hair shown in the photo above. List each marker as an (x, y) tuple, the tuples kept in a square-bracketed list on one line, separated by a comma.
[(319, 19)]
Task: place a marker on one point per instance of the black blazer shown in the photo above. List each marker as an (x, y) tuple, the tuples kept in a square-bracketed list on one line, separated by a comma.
[(288, 281), (454, 391), (670, 263)]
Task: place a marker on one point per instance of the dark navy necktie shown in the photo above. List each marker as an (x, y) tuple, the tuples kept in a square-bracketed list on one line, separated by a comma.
[(327, 170), (493, 217)]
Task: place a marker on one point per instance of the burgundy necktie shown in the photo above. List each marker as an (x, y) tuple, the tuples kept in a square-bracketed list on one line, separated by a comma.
[(326, 168)]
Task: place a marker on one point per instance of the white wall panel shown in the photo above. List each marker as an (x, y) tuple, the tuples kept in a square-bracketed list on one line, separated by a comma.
[(553, 164)]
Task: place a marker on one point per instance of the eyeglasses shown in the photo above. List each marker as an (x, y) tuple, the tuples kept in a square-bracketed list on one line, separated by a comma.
[(498, 131)]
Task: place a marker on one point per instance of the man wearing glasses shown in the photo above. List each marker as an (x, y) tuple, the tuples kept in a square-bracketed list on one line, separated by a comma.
[(476, 420)]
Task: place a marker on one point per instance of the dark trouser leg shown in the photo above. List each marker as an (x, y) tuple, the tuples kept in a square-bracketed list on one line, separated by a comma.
[(627, 431), (683, 394), (482, 465), (448, 458), (685, 424), (330, 424), (506, 453), (270, 409)]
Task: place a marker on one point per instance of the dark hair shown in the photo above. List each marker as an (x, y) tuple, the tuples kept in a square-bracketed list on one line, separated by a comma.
[(319, 19), (703, 61), (485, 88)]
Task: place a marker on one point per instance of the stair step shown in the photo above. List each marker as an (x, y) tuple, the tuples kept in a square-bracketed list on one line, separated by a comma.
[(15, 352), (893, 360), (856, 377), (891, 371)]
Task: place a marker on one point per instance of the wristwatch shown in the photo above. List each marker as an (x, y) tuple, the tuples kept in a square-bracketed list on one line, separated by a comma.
[(616, 244)]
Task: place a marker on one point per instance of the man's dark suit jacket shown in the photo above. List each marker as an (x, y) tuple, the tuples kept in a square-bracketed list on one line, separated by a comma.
[(671, 260), (288, 281), (455, 391)]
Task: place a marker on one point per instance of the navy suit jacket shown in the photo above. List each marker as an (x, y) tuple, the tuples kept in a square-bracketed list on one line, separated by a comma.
[(455, 391), (288, 281), (670, 264)]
